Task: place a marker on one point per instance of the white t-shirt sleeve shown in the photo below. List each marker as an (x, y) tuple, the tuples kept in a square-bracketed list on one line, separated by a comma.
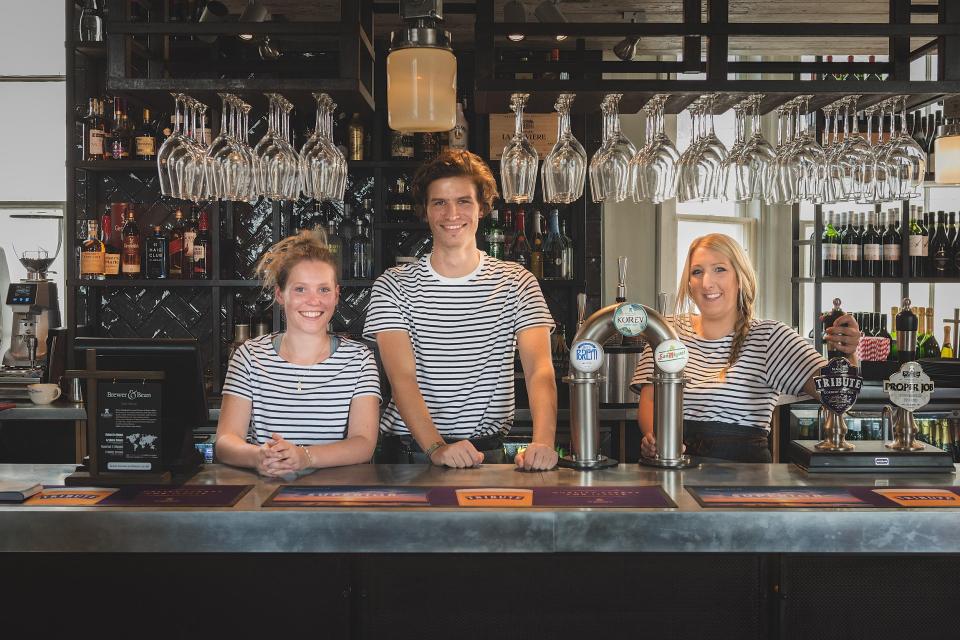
[(368, 382), (644, 370), (791, 361), (384, 312), (532, 310), (237, 381)]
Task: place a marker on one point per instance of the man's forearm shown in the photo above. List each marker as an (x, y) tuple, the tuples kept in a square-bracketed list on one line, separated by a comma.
[(542, 393), (413, 409)]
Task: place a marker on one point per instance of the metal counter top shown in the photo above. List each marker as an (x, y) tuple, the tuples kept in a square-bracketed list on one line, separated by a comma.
[(54, 411), (249, 528)]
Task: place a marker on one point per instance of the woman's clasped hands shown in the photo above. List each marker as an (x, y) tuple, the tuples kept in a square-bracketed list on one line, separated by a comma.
[(279, 457)]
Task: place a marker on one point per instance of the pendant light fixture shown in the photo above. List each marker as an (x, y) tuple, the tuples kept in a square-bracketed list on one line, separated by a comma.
[(514, 11), (549, 12), (421, 71)]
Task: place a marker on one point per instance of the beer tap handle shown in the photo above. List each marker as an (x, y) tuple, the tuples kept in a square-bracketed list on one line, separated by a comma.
[(622, 279), (581, 309)]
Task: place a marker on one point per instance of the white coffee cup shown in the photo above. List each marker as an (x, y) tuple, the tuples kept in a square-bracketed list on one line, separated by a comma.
[(43, 393)]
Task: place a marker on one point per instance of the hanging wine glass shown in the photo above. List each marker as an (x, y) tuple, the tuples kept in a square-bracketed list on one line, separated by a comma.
[(656, 163), (564, 169), (905, 159), (518, 163), (168, 185), (612, 173)]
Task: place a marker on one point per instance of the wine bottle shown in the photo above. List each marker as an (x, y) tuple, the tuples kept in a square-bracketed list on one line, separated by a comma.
[(92, 252), (883, 333), (918, 238), (893, 357), (521, 247), (906, 325), (536, 247), (931, 348), (553, 249), (334, 245), (940, 249), (826, 321), (121, 133), (202, 248), (952, 229), (891, 248), (494, 236), (850, 248), (947, 350), (830, 248), (156, 255), (130, 253), (509, 233), (568, 266), (360, 254), (872, 265)]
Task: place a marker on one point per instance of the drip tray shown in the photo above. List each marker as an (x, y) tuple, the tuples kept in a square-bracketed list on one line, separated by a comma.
[(870, 456)]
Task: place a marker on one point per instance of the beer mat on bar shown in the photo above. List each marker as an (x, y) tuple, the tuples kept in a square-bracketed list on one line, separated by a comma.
[(636, 497), (200, 495), (830, 497)]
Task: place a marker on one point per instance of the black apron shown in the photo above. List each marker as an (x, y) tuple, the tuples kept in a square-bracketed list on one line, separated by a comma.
[(725, 442)]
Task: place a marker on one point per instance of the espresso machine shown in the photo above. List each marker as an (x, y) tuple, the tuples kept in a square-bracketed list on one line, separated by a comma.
[(36, 310)]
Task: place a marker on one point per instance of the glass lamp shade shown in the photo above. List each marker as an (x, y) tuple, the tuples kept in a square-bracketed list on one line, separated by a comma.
[(947, 151), (421, 89)]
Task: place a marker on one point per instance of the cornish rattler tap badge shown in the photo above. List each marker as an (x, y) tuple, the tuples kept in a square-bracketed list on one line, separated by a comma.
[(839, 384)]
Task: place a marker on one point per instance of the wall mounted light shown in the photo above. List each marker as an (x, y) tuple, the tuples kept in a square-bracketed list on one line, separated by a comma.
[(548, 11), (514, 11), (947, 149), (421, 71)]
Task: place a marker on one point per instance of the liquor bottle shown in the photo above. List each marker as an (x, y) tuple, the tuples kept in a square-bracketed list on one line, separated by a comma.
[(460, 132), (940, 250), (850, 248), (365, 214), (92, 253), (93, 134), (427, 146), (202, 249), (175, 247), (145, 139), (872, 265), (509, 233), (356, 136), (91, 21), (156, 255), (400, 207), (536, 247), (334, 245), (906, 325), (521, 247), (494, 236), (111, 258), (891, 248), (568, 268), (947, 350), (190, 229), (830, 248), (826, 321), (918, 239), (361, 254), (120, 135), (130, 252), (553, 262), (401, 145)]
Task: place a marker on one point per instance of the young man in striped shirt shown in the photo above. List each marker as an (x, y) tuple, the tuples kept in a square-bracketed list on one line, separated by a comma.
[(447, 328)]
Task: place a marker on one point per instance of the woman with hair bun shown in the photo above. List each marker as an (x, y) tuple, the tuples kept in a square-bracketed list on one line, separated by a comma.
[(302, 398), (738, 366)]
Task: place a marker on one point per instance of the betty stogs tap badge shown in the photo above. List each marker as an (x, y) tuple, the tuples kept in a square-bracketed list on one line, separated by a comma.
[(839, 384), (909, 388)]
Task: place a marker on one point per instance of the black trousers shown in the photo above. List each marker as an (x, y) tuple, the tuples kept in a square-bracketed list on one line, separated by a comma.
[(720, 441), (405, 450)]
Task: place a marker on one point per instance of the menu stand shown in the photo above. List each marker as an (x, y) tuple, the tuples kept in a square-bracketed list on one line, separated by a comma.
[(89, 474)]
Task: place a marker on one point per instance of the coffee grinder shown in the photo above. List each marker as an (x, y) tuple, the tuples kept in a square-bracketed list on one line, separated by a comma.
[(36, 309)]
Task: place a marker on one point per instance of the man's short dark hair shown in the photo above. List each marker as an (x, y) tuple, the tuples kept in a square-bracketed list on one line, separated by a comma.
[(455, 164)]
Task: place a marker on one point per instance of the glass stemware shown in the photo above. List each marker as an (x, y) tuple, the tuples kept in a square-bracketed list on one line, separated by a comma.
[(905, 160), (518, 163), (612, 173), (656, 162), (564, 169), (169, 186)]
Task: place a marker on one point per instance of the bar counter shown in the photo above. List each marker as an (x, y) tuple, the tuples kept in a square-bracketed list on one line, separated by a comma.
[(250, 528)]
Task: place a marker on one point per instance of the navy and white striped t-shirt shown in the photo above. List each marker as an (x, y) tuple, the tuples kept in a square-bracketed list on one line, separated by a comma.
[(775, 360), (464, 336), (317, 413)]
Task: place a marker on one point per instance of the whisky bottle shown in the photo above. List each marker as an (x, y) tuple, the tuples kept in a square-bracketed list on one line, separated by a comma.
[(145, 139), (202, 249), (175, 247), (355, 136), (93, 135), (130, 252), (189, 237), (111, 257), (92, 254), (156, 255)]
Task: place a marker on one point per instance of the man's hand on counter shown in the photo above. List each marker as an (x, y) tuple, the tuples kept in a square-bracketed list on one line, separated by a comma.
[(648, 446), (459, 455), (537, 457)]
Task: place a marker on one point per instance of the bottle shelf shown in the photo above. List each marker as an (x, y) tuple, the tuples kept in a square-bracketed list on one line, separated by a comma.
[(106, 166), (904, 280), (176, 282), (398, 164), (406, 226)]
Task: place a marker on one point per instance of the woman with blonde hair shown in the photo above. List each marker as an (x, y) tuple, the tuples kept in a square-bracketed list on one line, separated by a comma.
[(738, 366), (301, 398)]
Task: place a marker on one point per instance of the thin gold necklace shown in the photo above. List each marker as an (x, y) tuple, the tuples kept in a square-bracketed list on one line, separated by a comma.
[(300, 378)]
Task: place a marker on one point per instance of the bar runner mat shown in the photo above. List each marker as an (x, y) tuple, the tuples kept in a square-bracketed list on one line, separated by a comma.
[(636, 497), (199, 495), (828, 497)]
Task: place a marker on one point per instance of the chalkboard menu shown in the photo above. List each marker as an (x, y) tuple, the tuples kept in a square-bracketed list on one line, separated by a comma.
[(128, 425)]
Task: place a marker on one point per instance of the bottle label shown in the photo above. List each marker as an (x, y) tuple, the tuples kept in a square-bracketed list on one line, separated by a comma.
[(941, 262), (188, 238), (199, 252), (830, 251), (111, 264), (91, 263), (925, 246), (95, 145), (891, 252), (851, 252), (871, 252), (146, 146), (458, 138), (916, 245)]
